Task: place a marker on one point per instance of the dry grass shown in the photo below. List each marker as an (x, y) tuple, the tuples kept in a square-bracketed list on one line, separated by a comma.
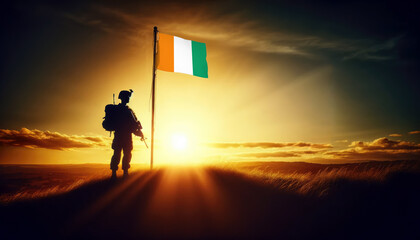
[(320, 179), (43, 192), (24, 182)]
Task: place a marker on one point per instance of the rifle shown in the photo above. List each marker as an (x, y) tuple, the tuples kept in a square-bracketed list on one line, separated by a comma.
[(135, 119), (144, 140)]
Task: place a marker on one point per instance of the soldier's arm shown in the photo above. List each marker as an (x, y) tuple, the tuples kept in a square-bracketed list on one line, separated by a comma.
[(137, 125), (134, 118), (139, 133)]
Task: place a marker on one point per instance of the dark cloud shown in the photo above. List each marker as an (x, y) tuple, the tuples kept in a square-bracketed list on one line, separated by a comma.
[(377, 52), (269, 145), (46, 139), (241, 24)]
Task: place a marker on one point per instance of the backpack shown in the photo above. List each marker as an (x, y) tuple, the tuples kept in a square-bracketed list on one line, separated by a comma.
[(111, 117)]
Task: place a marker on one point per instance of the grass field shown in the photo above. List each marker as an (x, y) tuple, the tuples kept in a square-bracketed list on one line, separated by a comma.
[(247, 200)]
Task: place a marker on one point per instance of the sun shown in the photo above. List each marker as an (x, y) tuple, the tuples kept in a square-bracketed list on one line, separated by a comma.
[(179, 142)]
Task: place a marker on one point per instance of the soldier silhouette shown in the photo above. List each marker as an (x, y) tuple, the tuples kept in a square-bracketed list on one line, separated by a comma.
[(126, 123)]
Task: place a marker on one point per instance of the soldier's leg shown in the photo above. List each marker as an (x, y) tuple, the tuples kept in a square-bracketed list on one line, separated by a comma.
[(116, 158), (127, 158), (127, 148)]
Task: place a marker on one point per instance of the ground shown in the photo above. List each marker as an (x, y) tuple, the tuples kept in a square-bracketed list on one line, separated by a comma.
[(241, 200)]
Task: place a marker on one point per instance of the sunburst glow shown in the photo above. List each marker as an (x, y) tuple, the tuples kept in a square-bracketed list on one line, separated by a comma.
[(179, 142)]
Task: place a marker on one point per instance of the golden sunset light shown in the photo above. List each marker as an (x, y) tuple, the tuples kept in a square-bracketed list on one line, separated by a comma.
[(179, 142), (233, 119)]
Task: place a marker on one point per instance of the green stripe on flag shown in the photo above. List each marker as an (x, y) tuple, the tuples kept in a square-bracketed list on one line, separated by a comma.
[(199, 59)]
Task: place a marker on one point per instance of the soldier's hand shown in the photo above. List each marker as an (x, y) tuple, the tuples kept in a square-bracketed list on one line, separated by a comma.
[(141, 135), (138, 132)]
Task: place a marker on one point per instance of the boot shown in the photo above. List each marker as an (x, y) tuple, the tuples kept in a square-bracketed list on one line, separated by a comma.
[(114, 175), (125, 173)]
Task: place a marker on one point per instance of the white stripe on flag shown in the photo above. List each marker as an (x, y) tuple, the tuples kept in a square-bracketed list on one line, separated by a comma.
[(182, 56)]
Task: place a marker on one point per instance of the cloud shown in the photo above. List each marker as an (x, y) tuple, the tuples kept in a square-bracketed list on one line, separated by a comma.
[(269, 145), (354, 155), (45, 139), (290, 152), (342, 141), (194, 21), (379, 149), (221, 25), (414, 132), (395, 135), (279, 154), (376, 52), (291, 149), (385, 144)]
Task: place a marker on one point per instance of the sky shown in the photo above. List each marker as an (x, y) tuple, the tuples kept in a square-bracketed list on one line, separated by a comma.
[(314, 81)]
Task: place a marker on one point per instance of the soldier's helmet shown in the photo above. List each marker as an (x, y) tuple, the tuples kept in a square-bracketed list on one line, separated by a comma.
[(125, 94)]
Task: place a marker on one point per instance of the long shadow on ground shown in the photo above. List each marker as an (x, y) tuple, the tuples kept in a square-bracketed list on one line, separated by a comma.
[(208, 203)]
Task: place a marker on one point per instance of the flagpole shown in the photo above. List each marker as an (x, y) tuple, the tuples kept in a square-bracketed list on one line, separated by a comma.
[(153, 96)]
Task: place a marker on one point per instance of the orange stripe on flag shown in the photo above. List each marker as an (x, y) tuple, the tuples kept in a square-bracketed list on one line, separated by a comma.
[(165, 52)]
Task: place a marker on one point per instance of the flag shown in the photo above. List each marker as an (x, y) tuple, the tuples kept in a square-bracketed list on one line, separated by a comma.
[(180, 55)]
